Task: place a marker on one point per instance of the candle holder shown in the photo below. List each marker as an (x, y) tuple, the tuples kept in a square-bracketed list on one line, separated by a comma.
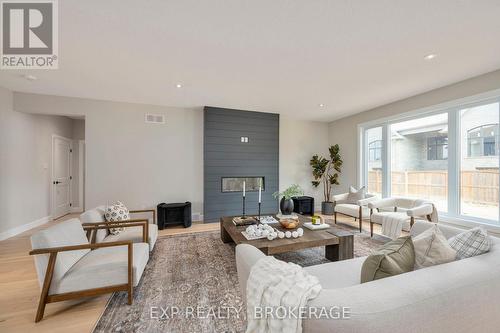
[(243, 216)]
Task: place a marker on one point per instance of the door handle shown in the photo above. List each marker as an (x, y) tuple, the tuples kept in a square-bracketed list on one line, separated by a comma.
[(56, 182)]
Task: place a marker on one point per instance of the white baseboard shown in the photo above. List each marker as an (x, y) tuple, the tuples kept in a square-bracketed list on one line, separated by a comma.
[(196, 217), (22, 228), (76, 210)]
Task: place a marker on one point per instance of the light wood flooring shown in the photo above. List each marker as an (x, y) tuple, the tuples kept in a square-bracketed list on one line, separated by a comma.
[(19, 289)]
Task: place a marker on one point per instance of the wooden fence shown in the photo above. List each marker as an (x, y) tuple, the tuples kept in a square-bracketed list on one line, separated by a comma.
[(478, 187)]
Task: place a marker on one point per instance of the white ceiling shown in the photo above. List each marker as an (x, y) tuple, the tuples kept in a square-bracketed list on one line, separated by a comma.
[(284, 56)]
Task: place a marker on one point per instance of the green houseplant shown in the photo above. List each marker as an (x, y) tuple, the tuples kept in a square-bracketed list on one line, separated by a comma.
[(286, 203), (326, 171)]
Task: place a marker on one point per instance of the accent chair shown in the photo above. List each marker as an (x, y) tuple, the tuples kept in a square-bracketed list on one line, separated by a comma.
[(358, 210), (69, 267), (410, 209)]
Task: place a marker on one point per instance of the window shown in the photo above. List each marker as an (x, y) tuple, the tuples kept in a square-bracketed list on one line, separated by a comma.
[(413, 173), (437, 148), (450, 157), (375, 150), (479, 163), (373, 137), (483, 141)]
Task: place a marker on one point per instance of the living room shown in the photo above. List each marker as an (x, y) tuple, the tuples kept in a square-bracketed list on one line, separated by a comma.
[(180, 166)]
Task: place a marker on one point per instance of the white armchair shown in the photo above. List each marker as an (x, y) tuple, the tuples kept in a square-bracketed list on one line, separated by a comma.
[(69, 267), (404, 207), (95, 217), (358, 210)]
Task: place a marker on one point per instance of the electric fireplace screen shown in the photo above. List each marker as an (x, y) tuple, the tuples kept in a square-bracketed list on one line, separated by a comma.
[(235, 184)]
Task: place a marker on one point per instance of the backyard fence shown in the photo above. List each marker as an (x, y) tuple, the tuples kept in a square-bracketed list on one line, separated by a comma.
[(477, 187)]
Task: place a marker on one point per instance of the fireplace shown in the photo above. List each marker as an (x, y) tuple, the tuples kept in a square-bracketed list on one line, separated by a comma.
[(235, 184), (229, 160)]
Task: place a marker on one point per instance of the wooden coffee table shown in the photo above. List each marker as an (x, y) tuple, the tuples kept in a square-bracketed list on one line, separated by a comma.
[(339, 244)]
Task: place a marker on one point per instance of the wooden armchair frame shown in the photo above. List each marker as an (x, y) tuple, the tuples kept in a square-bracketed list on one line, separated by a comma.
[(92, 228), (145, 211), (45, 298)]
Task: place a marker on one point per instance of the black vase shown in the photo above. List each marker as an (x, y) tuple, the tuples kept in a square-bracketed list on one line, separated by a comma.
[(286, 206)]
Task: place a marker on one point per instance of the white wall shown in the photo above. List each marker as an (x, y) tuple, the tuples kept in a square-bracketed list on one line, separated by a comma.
[(126, 159), (344, 131), (299, 141), (144, 164), (25, 164)]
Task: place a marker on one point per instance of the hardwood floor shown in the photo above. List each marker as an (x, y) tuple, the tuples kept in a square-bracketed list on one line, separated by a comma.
[(20, 290)]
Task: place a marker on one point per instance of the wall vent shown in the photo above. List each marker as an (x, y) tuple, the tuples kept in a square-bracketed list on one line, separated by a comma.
[(154, 118)]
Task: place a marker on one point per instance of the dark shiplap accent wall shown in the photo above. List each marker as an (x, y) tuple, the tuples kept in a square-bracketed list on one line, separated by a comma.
[(226, 156)]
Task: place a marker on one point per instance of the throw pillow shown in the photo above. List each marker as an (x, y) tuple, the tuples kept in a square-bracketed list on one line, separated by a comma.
[(432, 248), (355, 195), (116, 212), (393, 258), (470, 243)]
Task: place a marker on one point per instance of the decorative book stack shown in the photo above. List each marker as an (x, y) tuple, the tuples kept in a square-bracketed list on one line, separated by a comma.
[(244, 220)]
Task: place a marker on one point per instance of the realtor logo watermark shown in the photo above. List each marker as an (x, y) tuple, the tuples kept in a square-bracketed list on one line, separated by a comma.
[(29, 34)]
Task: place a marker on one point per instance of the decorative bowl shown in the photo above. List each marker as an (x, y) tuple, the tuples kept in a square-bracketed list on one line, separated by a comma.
[(289, 223)]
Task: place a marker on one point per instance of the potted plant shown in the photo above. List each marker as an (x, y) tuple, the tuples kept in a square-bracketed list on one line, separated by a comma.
[(326, 171), (286, 203)]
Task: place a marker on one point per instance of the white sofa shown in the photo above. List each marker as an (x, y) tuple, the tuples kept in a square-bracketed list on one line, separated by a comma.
[(458, 297), (68, 266), (96, 216)]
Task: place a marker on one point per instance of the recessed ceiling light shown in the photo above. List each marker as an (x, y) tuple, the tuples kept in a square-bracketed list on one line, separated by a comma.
[(321, 105), (30, 77), (178, 85), (430, 56)]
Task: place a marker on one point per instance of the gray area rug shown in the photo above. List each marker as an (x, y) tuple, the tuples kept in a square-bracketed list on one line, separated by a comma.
[(195, 275)]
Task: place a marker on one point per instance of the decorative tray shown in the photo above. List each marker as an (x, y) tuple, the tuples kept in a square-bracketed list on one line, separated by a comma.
[(311, 226)]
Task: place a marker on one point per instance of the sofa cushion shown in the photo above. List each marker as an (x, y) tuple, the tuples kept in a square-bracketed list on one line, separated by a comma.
[(393, 258), (351, 210), (471, 243), (95, 215), (355, 195), (66, 233), (103, 267), (432, 248), (377, 217), (135, 234), (422, 225), (339, 274)]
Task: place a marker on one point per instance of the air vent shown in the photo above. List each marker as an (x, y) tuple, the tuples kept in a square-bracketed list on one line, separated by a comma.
[(154, 118)]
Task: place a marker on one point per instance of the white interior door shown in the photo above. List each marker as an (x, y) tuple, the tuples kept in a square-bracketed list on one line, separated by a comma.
[(61, 176)]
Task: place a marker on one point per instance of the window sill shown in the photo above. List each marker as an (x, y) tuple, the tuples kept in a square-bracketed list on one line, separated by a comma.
[(465, 223)]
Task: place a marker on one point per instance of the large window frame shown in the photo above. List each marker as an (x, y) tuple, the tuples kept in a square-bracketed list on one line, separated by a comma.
[(453, 110)]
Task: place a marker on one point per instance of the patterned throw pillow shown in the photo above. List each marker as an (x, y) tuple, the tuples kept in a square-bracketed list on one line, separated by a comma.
[(116, 212), (355, 195), (470, 243)]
